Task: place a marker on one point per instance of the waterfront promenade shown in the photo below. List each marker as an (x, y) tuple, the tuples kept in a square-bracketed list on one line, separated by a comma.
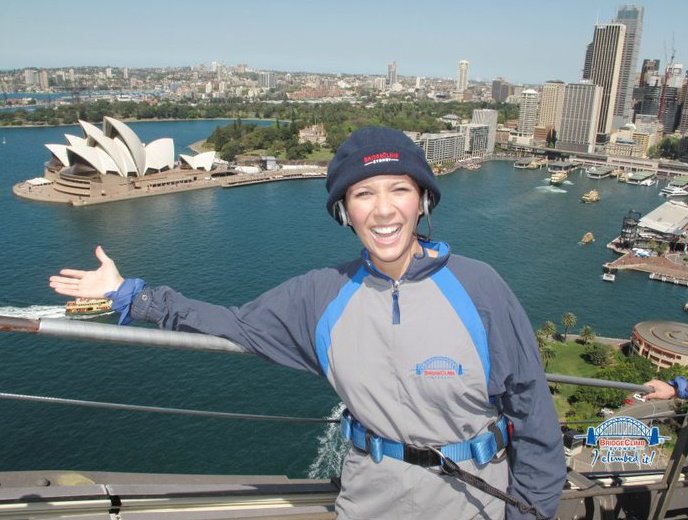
[(175, 181)]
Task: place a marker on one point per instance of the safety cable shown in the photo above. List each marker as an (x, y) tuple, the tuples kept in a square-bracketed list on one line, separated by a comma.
[(159, 409), (449, 467)]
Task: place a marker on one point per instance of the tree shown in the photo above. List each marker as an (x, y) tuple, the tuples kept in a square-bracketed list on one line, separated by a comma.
[(598, 354), (587, 334), (568, 321), (547, 353), (230, 150), (665, 374), (549, 329)]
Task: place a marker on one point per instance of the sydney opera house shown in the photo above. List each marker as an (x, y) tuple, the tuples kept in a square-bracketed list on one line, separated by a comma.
[(113, 164)]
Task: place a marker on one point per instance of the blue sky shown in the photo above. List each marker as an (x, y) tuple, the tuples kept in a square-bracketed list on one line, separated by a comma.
[(524, 41)]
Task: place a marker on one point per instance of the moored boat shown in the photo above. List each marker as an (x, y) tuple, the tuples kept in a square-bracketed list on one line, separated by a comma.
[(608, 277), (673, 191), (88, 306)]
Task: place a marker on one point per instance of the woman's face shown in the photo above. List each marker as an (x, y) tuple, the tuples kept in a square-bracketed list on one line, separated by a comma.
[(384, 211)]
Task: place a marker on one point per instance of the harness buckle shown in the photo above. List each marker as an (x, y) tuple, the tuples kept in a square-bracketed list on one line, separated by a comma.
[(498, 435), (421, 456)]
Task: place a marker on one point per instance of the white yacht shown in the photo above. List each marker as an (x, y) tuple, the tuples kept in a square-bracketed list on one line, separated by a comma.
[(673, 191)]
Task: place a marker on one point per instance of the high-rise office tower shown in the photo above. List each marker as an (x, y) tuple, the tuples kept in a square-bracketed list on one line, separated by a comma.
[(527, 114), (391, 74), (551, 104), (579, 117), (668, 111), (462, 80), (489, 117), (683, 121), (500, 90), (605, 69), (649, 68), (631, 16)]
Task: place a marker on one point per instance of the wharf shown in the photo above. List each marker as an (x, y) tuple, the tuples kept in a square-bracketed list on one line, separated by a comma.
[(667, 268)]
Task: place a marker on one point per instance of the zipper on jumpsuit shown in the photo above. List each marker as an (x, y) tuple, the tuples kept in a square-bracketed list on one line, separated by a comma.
[(396, 313)]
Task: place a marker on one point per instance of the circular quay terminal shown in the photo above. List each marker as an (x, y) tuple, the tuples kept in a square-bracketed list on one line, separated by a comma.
[(664, 343)]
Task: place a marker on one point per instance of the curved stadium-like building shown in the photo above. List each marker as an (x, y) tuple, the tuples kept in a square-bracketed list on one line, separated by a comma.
[(664, 343)]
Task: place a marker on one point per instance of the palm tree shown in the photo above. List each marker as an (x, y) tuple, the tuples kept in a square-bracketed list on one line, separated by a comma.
[(568, 320), (549, 329), (547, 352), (587, 334)]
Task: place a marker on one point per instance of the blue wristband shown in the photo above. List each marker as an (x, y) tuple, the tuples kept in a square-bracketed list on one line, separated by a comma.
[(124, 296), (681, 386)]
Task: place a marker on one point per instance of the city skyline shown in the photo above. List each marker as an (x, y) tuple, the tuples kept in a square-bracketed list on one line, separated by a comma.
[(529, 42)]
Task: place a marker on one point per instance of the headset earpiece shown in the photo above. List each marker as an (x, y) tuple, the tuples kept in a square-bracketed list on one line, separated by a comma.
[(340, 213), (426, 204)]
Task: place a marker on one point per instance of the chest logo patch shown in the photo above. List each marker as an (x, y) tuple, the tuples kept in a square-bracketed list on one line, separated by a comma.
[(439, 367)]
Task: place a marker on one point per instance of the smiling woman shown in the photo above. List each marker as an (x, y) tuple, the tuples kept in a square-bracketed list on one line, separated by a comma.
[(383, 211), (431, 353)]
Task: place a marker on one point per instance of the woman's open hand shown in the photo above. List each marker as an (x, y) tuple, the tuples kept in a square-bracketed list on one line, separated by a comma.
[(88, 284)]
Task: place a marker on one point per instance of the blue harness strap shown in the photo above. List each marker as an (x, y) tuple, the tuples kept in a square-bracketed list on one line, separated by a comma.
[(481, 448)]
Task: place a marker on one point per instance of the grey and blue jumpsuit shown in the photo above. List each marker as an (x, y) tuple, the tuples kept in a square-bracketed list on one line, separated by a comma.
[(432, 358)]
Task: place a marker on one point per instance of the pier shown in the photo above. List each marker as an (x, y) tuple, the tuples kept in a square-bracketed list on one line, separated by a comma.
[(669, 268)]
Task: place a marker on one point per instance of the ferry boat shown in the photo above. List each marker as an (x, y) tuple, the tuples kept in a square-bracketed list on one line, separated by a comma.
[(591, 196), (558, 178), (598, 172), (559, 171), (88, 306)]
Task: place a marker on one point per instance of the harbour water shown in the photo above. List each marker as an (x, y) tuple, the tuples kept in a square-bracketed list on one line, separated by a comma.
[(228, 246)]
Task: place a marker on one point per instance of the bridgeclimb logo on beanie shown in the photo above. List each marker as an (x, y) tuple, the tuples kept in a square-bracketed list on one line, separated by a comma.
[(380, 157), (373, 151)]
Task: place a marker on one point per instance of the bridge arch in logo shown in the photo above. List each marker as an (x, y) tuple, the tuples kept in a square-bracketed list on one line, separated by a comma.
[(623, 427), (439, 365)]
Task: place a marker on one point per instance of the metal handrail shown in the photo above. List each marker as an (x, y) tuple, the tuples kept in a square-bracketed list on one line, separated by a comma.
[(195, 341)]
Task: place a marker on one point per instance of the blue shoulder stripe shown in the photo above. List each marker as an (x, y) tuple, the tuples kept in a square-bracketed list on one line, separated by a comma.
[(464, 307), (332, 314)]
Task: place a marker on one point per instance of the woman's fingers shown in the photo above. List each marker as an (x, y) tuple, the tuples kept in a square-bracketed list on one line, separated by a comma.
[(73, 273)]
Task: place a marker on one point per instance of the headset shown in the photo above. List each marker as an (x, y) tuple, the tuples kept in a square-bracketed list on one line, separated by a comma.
[(427, 203)]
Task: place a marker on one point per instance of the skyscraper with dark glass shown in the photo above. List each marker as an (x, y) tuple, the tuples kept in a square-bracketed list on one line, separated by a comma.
[(632, 17)]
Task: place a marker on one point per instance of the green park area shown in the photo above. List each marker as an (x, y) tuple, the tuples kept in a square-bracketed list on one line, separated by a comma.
[(584, 356)]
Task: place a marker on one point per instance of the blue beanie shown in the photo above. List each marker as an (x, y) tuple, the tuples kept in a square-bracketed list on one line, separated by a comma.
[(377, 151)]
